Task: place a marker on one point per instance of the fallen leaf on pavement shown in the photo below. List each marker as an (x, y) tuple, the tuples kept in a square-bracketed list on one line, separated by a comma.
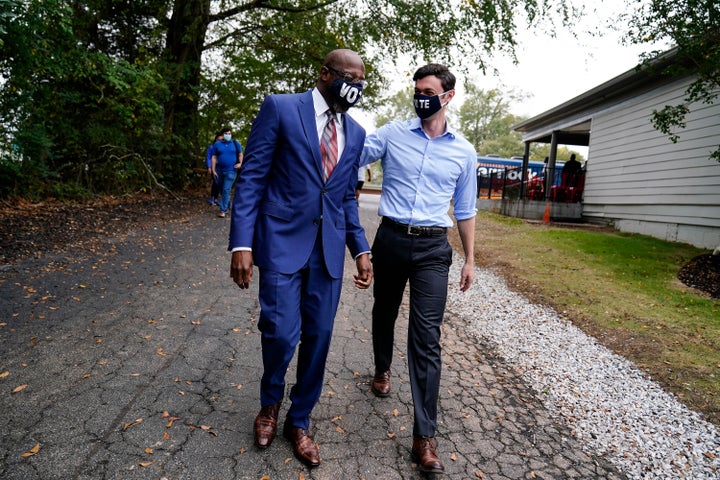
[(4, 374), (32, 451), (19, 388), (145, 464), (170, 422), (131, 424)]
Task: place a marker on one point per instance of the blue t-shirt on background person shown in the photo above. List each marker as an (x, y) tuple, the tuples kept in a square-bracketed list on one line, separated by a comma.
[(227, 154)]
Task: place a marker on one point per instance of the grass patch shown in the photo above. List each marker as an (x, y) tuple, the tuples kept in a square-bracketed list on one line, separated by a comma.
[(620, 288)]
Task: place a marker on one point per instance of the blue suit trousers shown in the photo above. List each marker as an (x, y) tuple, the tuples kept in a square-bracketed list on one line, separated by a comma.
[(297, 308)]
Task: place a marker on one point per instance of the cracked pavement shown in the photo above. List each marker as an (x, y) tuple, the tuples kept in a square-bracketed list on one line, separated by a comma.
[(141, 360)]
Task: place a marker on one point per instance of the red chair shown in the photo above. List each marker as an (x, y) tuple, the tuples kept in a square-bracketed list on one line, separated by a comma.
[(558, 193), (535, 189)]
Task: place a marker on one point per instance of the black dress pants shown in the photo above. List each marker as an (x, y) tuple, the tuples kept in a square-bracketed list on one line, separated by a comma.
[(424, 261)]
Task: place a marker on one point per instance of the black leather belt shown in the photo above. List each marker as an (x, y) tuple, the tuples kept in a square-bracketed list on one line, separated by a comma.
[(414, 230)]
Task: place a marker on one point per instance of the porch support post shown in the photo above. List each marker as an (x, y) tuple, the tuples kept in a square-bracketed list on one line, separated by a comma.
[(549, 180), (523, 173)]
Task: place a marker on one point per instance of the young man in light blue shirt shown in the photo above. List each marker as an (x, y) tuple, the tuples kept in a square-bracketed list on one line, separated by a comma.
[(426, 164)]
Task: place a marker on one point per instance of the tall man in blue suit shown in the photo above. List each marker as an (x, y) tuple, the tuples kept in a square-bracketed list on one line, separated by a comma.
[(293, 213)]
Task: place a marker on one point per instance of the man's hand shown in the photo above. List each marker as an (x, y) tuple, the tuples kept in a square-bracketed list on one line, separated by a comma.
[(365, 272), (466, 276), (241, 268)]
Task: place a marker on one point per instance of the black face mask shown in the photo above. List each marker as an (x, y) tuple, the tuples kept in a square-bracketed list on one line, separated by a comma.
[(425, 106), (346, 94)]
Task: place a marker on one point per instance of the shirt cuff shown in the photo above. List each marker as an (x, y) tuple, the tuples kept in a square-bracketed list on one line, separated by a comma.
[(241, 249)]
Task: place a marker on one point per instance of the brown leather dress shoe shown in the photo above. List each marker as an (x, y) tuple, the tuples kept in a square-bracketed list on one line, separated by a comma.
[(266, 425), (305, 448), (381, 383), (423, 452)]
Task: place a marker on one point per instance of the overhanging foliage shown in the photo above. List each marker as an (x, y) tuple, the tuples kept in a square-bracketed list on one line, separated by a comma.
[(158, 77)]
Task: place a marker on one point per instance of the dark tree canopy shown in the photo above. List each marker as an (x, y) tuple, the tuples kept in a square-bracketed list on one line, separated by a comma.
[(103, 96)]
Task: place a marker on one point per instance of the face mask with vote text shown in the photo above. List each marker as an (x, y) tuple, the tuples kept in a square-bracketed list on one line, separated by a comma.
[(346, 94), (426, 107)]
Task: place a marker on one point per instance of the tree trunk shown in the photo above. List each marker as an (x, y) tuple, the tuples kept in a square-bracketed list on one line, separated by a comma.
[(183, 56)]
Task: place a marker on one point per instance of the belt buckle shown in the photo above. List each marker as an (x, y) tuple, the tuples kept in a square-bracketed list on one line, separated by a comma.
[(410, 231)]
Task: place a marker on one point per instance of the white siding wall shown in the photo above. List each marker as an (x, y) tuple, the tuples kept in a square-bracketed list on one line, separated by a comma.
[(642, 182)]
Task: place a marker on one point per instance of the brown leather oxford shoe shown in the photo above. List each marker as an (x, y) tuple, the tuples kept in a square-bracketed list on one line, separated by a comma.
[(423, 452), (381, 383), (266, 425), (305, 448)]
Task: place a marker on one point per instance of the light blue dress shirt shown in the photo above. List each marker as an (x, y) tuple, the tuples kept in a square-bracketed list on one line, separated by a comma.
[(421, 175)]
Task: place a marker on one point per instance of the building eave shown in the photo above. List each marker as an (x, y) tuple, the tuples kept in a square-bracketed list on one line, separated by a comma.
[(638, 78)]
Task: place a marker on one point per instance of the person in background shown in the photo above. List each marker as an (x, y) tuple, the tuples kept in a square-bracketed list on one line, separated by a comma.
[(570, 172), (293, 213), (226, 159), (425, 164), (214, 186), (362, 173)]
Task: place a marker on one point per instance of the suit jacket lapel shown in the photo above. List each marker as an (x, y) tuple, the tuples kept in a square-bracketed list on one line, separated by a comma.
[(306, 110)]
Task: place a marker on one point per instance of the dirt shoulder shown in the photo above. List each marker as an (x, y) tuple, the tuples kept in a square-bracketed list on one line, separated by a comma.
[(35, 229)]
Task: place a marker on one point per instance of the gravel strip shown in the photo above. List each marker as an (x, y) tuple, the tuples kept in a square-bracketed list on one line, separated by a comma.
[(610, 405)]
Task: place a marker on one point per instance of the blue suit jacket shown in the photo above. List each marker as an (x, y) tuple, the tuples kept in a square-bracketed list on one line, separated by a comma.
[(281, 199)]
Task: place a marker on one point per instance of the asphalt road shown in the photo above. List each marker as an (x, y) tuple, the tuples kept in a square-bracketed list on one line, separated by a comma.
[(140, 359)]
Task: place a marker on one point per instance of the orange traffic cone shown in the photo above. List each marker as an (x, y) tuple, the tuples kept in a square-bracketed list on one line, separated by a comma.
[(546, 216)]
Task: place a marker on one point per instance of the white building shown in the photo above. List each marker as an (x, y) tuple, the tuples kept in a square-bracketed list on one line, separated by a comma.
[(638, 180)]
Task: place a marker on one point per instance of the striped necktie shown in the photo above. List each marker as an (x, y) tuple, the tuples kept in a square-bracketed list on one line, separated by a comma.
[(329, 146)]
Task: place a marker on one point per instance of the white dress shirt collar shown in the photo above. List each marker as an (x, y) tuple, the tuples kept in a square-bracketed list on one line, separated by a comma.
[(321, 106)]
